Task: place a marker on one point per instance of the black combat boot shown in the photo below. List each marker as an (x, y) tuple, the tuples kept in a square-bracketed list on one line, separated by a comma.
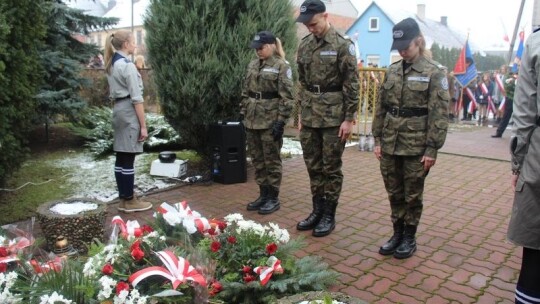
[(314, 217), (328, 220), (263, 196), (390, 247), (272, 202), (408, 245)]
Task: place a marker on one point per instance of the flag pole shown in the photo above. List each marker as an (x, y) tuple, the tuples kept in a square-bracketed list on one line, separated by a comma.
[(513, 41)]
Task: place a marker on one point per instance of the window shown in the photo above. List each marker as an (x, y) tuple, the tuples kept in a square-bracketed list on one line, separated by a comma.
[(374, 24), (139, 37), (373, 60)]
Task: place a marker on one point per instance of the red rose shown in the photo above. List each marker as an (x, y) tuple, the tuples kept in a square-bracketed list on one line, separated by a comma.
[(246, 269), (215, 246), (3, 267), (212, 231), (3, 252), (222, 225), (216, 287), (248, 278), (107, 269), (135, 245), (231, 240), (137, 254), (121, 286), (271, 248), (137, 232), (146, 229)]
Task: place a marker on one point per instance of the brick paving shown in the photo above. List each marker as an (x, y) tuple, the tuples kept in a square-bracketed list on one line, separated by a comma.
[(463, 255)]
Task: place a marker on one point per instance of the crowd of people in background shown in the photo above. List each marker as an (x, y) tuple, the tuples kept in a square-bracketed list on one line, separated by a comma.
[(485, 100)]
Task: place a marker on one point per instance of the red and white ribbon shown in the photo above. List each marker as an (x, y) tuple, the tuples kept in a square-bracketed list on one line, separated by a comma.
[(180, 213), (265, 272), (499, 83), (472, 103), (177, 270), (54, 264), (485, 91), (131, 228)]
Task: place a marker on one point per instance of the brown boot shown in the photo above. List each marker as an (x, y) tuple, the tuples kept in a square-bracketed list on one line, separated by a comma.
[(121, 205), (136, 205)]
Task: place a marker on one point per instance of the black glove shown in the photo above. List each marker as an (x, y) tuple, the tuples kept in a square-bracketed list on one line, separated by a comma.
[(277, 129)]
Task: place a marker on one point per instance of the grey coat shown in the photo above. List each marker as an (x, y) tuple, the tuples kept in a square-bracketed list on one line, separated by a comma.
[(524, 227)]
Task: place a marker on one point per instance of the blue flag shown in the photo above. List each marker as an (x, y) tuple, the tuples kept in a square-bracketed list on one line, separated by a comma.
[(465, 69), (519, 53)]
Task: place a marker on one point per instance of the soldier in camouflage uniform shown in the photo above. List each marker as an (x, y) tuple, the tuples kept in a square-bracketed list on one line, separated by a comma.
[(267, 99), (409, 127), (328, 100)]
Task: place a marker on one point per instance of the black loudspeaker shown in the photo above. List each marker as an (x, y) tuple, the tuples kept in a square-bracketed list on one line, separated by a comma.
[(228, 143)]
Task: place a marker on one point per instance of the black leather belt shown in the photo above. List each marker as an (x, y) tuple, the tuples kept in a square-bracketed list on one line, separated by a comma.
[(263, 95), (317, 89), (407, 112), (122, 98)]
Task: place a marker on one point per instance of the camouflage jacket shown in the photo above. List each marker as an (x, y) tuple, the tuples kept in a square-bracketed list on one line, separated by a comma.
[(327, 62), (273, 75), (423, 85)]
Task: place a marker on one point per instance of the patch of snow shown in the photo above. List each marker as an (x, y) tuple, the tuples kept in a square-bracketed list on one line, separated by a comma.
[(95, 178), (73, 208)]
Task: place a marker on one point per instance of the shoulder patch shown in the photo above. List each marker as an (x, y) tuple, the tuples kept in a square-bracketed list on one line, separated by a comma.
[(289, 73), (444, 83), (352, 49)]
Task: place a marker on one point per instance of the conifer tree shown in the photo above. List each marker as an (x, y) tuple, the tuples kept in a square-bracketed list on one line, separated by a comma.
[(22, 30), (199, 51), (63, 57)]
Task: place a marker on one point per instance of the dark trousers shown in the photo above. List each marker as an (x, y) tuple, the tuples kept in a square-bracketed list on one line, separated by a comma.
[(508, 110), (528, 286)]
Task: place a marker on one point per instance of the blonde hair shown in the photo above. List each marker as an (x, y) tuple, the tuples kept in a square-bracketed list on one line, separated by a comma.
[(279, 49), (421, 42), (113, 43)]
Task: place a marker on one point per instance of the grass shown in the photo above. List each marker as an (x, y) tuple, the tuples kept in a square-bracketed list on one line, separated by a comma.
[(46, 181), (50, 185)]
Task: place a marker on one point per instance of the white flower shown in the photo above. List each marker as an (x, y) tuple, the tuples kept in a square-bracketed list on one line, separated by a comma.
[(55, 298), (121, 298), (107, 287), (6, 282), (234, 217), (280, 235)]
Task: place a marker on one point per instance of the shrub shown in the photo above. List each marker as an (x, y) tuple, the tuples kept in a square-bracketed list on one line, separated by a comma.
[(95, 125)]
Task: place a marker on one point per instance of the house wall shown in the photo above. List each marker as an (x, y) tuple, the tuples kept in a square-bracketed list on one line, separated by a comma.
[(373, 44)]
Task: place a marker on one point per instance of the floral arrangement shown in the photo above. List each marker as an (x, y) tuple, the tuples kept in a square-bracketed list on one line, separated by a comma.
[(254, 263), (180, 258)]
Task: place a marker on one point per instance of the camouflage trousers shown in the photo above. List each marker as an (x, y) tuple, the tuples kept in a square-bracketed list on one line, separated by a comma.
[(322, 150), (265, 156), (404, 178)]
